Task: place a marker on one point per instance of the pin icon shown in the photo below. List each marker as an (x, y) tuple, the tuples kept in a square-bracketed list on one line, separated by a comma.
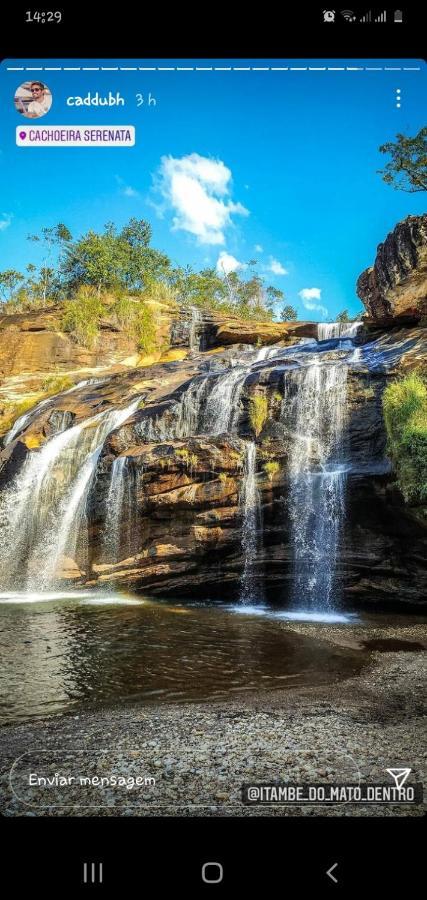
[(22, 135)]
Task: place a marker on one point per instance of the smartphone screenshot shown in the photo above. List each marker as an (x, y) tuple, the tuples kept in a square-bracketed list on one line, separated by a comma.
[(213, 451)]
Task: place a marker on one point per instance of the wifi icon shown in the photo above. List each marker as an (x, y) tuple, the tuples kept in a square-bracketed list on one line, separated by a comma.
[(348, 15)]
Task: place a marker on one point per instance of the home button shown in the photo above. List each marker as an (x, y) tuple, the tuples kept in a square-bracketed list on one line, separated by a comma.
[(212, 872)]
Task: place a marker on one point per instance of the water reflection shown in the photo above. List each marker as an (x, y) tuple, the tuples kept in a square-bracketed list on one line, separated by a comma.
[(68, 653)]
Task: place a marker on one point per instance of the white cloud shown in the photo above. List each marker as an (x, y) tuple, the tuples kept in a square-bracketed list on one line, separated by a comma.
[(197, 189), (258, 248), (5, 221), (126, 189), (276, 267), (309, 296), (227, 263)]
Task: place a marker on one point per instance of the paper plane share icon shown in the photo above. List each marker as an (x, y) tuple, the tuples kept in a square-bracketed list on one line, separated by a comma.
[(399, 775)]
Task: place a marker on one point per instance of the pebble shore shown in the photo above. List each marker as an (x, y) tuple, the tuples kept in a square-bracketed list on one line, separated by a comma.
[(200, 754)]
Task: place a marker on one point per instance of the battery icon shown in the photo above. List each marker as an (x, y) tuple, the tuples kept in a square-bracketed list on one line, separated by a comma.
[(398, 15)]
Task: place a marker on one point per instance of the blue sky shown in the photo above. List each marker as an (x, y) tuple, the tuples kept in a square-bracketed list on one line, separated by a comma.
[(279, 166)]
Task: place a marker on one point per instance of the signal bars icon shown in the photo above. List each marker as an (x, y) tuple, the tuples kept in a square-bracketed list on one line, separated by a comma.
[(367, 17), (382, 16)]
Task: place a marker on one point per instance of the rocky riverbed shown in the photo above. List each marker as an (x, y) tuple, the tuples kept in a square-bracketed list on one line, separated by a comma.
[(201, 754)]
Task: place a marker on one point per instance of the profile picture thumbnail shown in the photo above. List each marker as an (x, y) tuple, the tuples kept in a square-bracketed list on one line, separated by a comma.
[(33, 99)]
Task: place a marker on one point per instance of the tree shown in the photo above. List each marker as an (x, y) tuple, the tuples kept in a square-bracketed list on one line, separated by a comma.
[(288, 314), (274, 295), (407, 169), (55, 238), (93, 260), (142, 264), (9, 280), (114, 260), (343, 316)]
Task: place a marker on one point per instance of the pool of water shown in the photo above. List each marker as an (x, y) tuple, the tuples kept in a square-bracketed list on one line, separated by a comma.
[(71, 651)]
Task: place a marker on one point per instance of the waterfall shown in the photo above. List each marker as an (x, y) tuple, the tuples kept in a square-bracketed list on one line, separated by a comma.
[(267, 353), (330, 330), (120, 518), (194, 338), (189, 412), (317, 482), (210, 405), (249, 589), (43, 510), (221, 407), (23, 421), (114, 506)]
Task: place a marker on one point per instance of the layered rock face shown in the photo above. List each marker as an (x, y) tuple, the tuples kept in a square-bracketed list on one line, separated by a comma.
[(33, 346), (168, 507), (395, 287), (33, 343), (201, 330), (181, 515)]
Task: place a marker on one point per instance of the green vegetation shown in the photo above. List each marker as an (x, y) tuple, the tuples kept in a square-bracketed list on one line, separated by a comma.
[(82, 317), (407, 168), (288, 314), (119, 268), (343, 316), (139, 322), (271, 469), (9, 281), (10, 412), (160, 293), (258, 411), (405, 415), (183, 453), (55, 384), (113, 260), (145, 330), (189, 459), (223, 477), (227, 292)]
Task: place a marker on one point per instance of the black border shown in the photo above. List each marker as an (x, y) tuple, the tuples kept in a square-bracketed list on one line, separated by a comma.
[(206, 30), (258, 852)]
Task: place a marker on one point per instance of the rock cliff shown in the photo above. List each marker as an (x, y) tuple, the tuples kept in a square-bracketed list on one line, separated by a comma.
[(395, 287)]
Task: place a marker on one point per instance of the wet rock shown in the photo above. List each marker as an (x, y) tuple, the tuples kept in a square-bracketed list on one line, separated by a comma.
[(59, 420), (11, 459)]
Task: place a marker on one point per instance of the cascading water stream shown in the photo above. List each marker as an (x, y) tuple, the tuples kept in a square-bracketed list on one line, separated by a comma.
[(114, 506), (221, 407), (337, 330), (23, 421), (121, 516), (210, 403), (43, 510), (249, 586), (317, 481), (194, 338)]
